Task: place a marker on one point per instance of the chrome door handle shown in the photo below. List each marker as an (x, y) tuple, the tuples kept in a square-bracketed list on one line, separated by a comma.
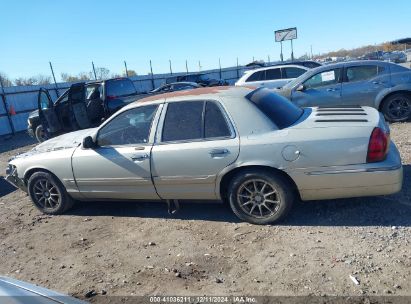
[(332, 90), (218, 152), (139, 157)]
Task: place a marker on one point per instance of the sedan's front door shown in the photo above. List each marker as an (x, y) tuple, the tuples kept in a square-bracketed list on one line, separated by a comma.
[(119, 166), (196, 143), (362, 83), (321, 89)]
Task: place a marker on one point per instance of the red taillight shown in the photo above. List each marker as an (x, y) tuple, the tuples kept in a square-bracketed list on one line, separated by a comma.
[(111, 97), (378, 146)]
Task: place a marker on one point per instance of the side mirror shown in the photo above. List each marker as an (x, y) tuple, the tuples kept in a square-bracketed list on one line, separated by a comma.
[(300, 88), (88, 143)]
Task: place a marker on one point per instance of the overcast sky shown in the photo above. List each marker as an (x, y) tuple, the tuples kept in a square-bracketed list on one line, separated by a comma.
[(71, 34)]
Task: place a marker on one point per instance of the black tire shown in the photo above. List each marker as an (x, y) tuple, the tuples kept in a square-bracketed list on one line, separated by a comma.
[(40, 134), (397, 107), (48, 194), (284, 194)]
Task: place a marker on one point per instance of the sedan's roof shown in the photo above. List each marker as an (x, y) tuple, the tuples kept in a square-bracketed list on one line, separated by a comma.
[(200, 93)]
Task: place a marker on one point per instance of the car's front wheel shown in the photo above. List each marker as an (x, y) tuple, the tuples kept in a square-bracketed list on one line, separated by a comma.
[(48, 194), (41, 134), (260, 197), (397, 107)]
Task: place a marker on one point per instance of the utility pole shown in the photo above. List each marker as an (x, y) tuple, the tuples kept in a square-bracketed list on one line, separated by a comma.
[(125, 66), (152, 75), (54, 78), (94, 70), (281, 54), (292, 51), (186, 67), (171, 70)]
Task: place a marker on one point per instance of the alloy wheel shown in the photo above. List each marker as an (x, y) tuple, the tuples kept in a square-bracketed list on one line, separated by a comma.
[(46, 194), (258, 198), (399, 108)]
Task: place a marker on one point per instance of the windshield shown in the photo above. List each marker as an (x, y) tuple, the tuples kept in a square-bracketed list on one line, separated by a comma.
[(278, 109)]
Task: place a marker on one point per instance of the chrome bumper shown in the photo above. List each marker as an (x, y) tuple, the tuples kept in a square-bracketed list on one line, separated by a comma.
[(12, 178)]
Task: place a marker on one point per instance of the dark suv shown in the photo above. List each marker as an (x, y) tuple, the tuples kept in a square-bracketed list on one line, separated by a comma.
[(83, 105)]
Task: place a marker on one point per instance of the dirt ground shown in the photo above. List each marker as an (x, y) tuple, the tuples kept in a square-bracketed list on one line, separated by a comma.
[(128, 249)]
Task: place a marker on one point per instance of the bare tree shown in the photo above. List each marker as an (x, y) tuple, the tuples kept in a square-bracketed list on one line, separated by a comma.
[(131, 73), (102, 73), (5, 80), (34, 80)]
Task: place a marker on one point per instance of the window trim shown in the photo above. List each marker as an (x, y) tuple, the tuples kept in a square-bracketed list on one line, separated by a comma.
[(151, 134), (159, 133)]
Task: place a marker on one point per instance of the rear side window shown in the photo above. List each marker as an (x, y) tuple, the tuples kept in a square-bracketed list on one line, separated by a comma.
[(273, 74), (192, 120), (358, 73), (278, 109), (183, 121), (256, 76), (292, 72), (120, 88)]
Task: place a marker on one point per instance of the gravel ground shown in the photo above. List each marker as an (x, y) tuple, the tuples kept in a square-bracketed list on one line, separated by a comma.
[(138, 249)]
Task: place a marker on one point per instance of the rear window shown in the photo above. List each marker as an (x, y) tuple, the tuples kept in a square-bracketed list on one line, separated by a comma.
[(278, 109), (120, 88)]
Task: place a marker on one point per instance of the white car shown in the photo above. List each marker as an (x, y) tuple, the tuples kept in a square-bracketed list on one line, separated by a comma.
[(273, 77)]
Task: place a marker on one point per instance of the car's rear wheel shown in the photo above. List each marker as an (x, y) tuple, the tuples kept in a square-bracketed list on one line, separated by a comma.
[(260, 197), (397, 107), (41, 134), (48, 194)]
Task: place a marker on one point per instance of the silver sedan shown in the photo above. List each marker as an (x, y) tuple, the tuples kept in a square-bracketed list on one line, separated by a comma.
[(252, 149)]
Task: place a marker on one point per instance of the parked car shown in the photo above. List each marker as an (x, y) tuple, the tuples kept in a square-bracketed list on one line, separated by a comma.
[(305, 63), (199, 78), (378, 84), (253, 149), (176, 86), (67, 113), (16, 291), (377, 55), (271, 77), (396, 56)]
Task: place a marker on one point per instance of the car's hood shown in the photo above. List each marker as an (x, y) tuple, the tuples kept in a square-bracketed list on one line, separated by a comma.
[(65, 141)]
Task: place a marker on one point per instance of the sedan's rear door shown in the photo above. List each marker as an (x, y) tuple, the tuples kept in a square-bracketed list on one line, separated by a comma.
[(363, 82), (195, 143)]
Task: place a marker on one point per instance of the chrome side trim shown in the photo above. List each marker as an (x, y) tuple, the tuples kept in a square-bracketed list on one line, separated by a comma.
[(364, 170)]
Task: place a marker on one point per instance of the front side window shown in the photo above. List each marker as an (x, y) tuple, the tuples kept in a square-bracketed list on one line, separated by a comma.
[(44, 101), (193, 120), (273, 74), (93, 92), (323, 79), (358, 73), (292, 72), (129, 127)]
